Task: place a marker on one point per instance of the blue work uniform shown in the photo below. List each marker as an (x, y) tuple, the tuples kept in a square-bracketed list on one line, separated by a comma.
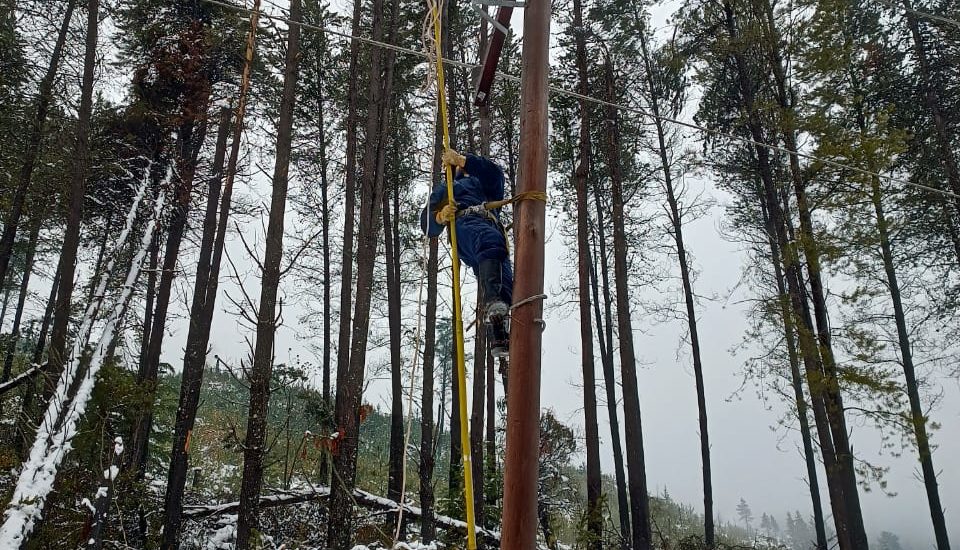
[(479, 238)]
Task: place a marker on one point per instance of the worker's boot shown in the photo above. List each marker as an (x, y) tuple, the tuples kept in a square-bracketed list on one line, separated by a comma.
[(496, 311)]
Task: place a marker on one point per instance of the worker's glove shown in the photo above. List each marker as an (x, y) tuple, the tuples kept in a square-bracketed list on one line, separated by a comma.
[(454, 158), (447, 214)]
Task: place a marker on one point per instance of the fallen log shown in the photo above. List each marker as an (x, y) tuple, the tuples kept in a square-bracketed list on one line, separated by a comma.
[(20, 379), (362, 498)]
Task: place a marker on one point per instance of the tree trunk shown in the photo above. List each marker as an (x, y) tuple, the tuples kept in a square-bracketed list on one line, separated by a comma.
[(41, 345), (189, 141), (149, 296), (819, 377), (78, 181), (482, 359), (477, 412), (5, 285), (45, 94), (262, 368), (391, 241), (21, 301), (101, 504), (808, 244), (98, 265), (919, 419), (455, 472), (25, 419), (796, 381), (205, 293), (350, 384), (676, 222), (594, 519), (633, 429), (196, 350), (933, 103), (327, 310), (605, 340), (350, 203), (779, 226), (427, 526), (491, 493)]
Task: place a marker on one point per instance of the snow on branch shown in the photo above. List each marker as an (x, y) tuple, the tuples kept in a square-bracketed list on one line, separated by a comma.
[(56, 432), (20, 379)]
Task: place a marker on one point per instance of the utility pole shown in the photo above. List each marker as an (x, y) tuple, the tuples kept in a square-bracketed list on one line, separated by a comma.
[(523, 399)]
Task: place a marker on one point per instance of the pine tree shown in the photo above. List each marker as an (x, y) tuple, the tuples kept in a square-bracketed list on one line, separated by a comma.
[(350, 379), (744, 512), (263, 355)]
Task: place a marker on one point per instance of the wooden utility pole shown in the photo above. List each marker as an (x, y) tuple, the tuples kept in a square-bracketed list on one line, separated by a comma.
[(523, 401)]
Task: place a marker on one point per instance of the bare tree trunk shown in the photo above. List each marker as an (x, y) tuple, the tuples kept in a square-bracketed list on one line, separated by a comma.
[(835, 409), (325, 222), (633, 429), (455, 488), (190, 138), (24, 421), (605, 340), (919, 419), (777, 225), (676, 222), (811, 254), (104, 240), (391, 241), (796, 381), (594, 519), (6, 285), (427, 526), (491, 492), (350, 203), (196, 350), (14, 338), (482, 358), (350, 384), (78, 180), (262, 368), (455, 470), (205, 292), (477, 413), (150, 295), (45, 94), (41, 345)]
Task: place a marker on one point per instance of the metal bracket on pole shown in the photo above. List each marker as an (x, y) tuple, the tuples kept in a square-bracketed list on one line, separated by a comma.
[(492, 56), (480, 8)]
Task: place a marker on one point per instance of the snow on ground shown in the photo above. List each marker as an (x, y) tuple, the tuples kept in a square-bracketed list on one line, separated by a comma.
[(224, 537)]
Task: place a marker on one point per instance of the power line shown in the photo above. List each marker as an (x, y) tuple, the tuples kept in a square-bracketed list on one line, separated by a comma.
[(627, 108)]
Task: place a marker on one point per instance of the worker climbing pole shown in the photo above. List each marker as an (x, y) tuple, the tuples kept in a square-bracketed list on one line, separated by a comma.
[(523, 400), (480, 186), (457, 308)]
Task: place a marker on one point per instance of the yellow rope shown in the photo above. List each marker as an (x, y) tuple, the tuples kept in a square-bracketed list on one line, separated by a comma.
[(457, 309), (524, 196)]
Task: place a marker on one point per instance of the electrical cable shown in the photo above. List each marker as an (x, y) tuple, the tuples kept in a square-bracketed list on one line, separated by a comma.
[(626, 108)]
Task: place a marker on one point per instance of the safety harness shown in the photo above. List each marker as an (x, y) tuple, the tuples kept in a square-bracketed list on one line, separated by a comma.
[(485, 210)]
